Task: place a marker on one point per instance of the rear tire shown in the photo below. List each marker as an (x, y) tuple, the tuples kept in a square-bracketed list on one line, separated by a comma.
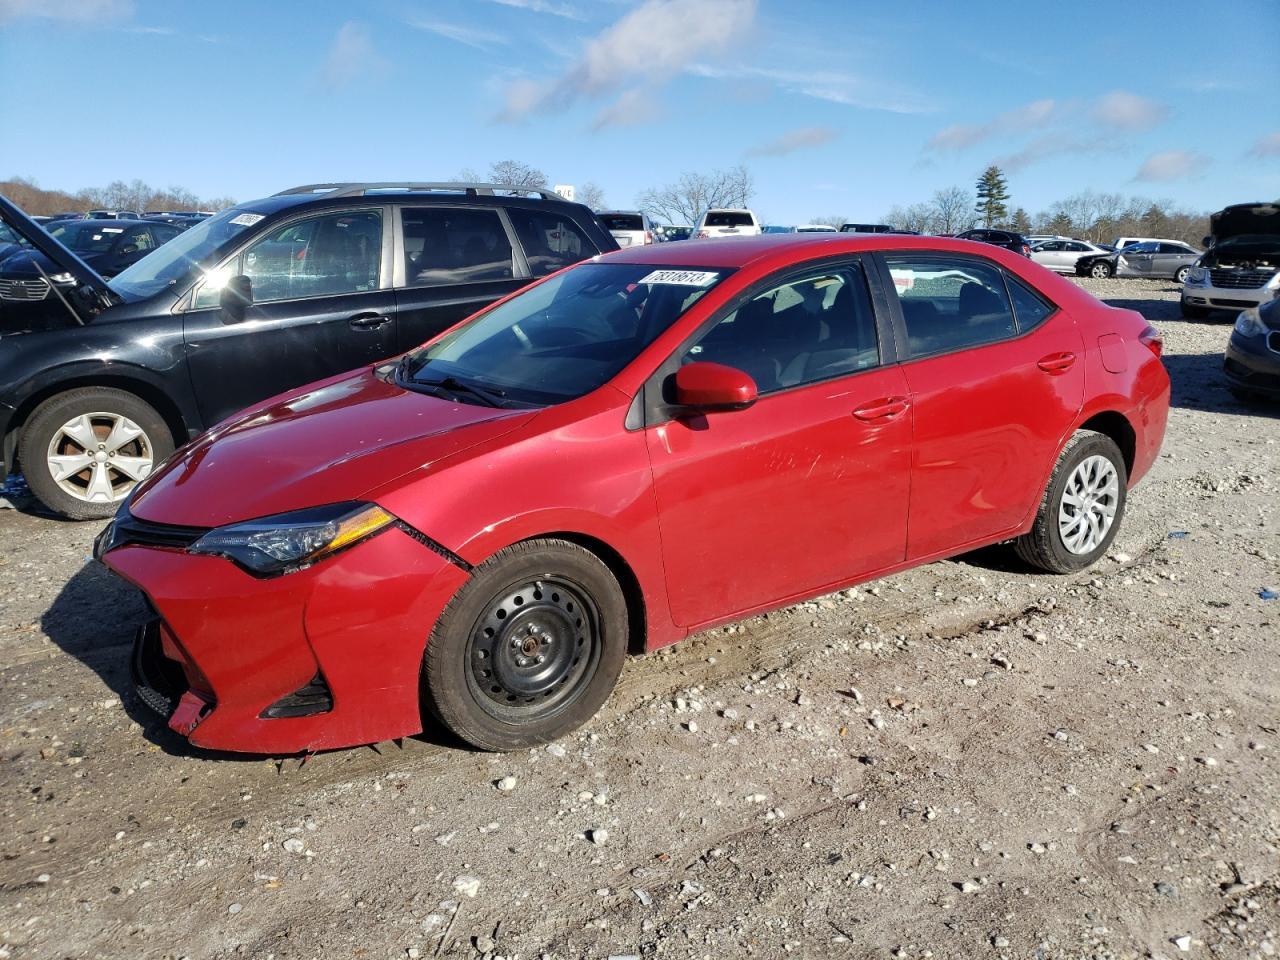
[(114, 437), (1194, 313), (1101, 271), (1082, 507), (1181, 275), (529, 648)]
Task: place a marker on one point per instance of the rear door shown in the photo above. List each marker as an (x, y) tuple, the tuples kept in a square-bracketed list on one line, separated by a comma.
[(1169, 259), (451, 261), (1137, 260), (994, 387), (322, 304)]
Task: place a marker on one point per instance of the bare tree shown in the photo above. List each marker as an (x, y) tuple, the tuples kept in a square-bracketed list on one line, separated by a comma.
[(517, 174), (118, 195), (686, 200), (592, 195), (836, 222), (952, 210), (917, 217)]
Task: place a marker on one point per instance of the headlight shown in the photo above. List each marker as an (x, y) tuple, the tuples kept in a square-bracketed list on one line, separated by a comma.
[(1249, 323), (62, 277), (1274, 282), (291, 541), (1197, 275)]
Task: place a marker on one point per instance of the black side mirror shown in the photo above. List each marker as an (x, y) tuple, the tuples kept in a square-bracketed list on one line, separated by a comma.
[(236, 298)]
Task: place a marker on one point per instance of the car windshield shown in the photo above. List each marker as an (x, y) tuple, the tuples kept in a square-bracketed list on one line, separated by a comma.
[(728, 218), (560, 339), (86, 236), (622, 221), (173, 261), (8, 235)]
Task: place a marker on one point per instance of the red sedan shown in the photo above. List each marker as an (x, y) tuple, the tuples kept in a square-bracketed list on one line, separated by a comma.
[(635, 449)]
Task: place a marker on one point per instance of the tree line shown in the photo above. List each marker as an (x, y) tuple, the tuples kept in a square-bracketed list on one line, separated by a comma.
[(117, 195)]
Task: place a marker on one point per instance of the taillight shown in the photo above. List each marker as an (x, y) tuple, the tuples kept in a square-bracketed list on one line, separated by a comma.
[(1151, 339), (702, 235), (1026, 250)]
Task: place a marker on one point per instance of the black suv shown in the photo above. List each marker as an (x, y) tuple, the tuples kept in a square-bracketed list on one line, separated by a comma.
[(102, 384), (1000, 238)]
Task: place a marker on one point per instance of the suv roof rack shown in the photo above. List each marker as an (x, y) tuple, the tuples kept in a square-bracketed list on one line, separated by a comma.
[(470, 189)]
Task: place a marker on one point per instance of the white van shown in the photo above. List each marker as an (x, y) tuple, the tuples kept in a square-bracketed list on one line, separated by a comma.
[(727, 223)]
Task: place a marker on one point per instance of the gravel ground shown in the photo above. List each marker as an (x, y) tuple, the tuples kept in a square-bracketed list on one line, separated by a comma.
[(965, 760)]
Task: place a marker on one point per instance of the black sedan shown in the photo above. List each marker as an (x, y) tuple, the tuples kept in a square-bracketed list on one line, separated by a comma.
[(1000, 238), (1252, 363), (109, 246)]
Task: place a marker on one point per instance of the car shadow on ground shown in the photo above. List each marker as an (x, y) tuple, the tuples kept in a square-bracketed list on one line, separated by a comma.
[(95, 617), (1198, 383)]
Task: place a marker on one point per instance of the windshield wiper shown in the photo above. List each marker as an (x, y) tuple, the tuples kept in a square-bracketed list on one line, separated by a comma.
[(489, 397)]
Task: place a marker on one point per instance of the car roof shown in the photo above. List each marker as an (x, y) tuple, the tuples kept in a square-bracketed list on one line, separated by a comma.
[(102, 223), (742, 251), (286, 201)]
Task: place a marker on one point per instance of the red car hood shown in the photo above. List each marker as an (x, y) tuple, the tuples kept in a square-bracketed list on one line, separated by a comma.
[(326, 443)]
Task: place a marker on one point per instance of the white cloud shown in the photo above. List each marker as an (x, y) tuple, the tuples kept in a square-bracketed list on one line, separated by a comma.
[(1172, 165), (633, 108), (1121, 110), (1052, 145), (351, 57), (794, 140), (90, 12), (829, 85), (1020, 119), (651, 42), (477, 39), (543, 6), (1267, 146)]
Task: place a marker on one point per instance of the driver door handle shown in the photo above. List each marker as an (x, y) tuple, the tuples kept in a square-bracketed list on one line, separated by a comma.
[(368, 321), (885, 408)]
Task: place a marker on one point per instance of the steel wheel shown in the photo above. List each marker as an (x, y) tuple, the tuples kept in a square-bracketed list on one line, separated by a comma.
[(1088, 505), (532, 649), (98, 457)]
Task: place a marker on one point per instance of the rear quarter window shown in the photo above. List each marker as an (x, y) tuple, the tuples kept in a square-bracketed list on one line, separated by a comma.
[(1029, 307)]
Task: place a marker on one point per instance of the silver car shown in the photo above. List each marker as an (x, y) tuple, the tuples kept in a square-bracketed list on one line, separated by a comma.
[(1060, 254), (1155, 259)]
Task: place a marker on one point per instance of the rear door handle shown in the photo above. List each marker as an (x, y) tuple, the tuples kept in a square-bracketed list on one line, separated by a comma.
[(368, 321), (1056, 362), (883, 409)]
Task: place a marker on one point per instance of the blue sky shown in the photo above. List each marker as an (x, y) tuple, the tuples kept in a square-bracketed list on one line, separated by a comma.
[(838, 108)]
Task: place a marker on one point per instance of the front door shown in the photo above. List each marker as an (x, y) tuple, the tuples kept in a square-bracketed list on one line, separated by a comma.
[(994, 386), (804, 489), (1136, 261), (318, 308)]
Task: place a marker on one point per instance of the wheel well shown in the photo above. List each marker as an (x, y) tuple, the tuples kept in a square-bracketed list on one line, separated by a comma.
[(621, 570), (154, 396), (1116, 426)]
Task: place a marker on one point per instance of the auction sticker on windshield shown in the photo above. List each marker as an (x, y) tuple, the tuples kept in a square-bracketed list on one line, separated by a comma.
[(683, 278), (246, 219)]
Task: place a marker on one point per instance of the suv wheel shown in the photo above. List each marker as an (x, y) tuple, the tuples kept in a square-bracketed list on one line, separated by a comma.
[(1100, 270), (83, 451), (1082, 508), (529, 648)]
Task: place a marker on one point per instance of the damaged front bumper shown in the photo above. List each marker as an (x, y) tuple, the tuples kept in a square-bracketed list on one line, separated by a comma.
[(329, 656)]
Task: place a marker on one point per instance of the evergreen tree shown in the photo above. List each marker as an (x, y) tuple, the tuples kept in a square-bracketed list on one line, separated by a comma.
[(993, 191), (1021, 221)]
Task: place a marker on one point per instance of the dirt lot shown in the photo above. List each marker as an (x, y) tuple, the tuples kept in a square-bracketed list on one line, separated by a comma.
[(966, 760)]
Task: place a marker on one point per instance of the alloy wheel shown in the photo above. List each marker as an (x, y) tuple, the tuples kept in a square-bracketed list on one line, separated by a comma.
[(1100, 271), (1089, 503), (98, 457)]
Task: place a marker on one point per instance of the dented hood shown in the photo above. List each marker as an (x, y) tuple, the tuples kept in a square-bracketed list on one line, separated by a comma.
[(326, 443), (1246, 219)]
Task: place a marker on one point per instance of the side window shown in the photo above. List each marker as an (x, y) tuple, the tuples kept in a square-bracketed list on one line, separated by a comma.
[(324, 256), (1173, 248), (141, 238), (550, 241), (949, 304), (449, 245), (1052, 245), (1030, 308), (1075, 247), (164, 233), (811, 328)]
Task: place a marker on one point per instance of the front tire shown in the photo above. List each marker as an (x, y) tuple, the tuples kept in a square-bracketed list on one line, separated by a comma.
[(1181, 275), (83, 451), (1100, 271), (1082, 507), (529, 648)]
